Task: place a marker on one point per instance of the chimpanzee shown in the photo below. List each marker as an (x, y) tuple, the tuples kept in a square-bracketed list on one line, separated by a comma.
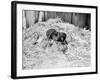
[(52, 34)]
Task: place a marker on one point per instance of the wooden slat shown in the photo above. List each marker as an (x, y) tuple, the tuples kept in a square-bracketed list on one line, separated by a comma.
[(79, 19), (68, 17), (31, 17)]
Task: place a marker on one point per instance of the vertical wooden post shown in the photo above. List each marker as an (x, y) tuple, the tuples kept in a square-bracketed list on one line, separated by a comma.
[(31, 18), (41, 16), (24, 20), (68, 17), (79, 19)]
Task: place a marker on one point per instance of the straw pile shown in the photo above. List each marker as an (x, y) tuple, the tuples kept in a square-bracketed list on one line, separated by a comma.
[(37, 52)]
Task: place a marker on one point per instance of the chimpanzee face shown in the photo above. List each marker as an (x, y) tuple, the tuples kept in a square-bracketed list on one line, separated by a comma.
[(55, 36), (61, 37)]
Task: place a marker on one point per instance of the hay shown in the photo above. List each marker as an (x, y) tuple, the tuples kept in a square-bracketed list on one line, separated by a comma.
[(38, 54)]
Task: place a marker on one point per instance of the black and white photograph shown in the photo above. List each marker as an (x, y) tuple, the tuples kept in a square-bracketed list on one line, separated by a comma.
[(54, 40)]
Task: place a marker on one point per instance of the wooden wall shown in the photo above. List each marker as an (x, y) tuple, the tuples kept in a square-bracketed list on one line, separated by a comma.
[(78, 19)]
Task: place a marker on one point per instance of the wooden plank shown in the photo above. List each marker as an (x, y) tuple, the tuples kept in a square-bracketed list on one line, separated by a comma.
[(79, 19), (68, 17), (31, 17), (51, 15), (24, 20)]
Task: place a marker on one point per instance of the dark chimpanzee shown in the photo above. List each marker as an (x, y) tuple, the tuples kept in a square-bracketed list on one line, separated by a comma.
[(52, 34)]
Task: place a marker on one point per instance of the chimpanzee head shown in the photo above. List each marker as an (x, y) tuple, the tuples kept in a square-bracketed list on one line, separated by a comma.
[(62, 37), (52, 34)]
